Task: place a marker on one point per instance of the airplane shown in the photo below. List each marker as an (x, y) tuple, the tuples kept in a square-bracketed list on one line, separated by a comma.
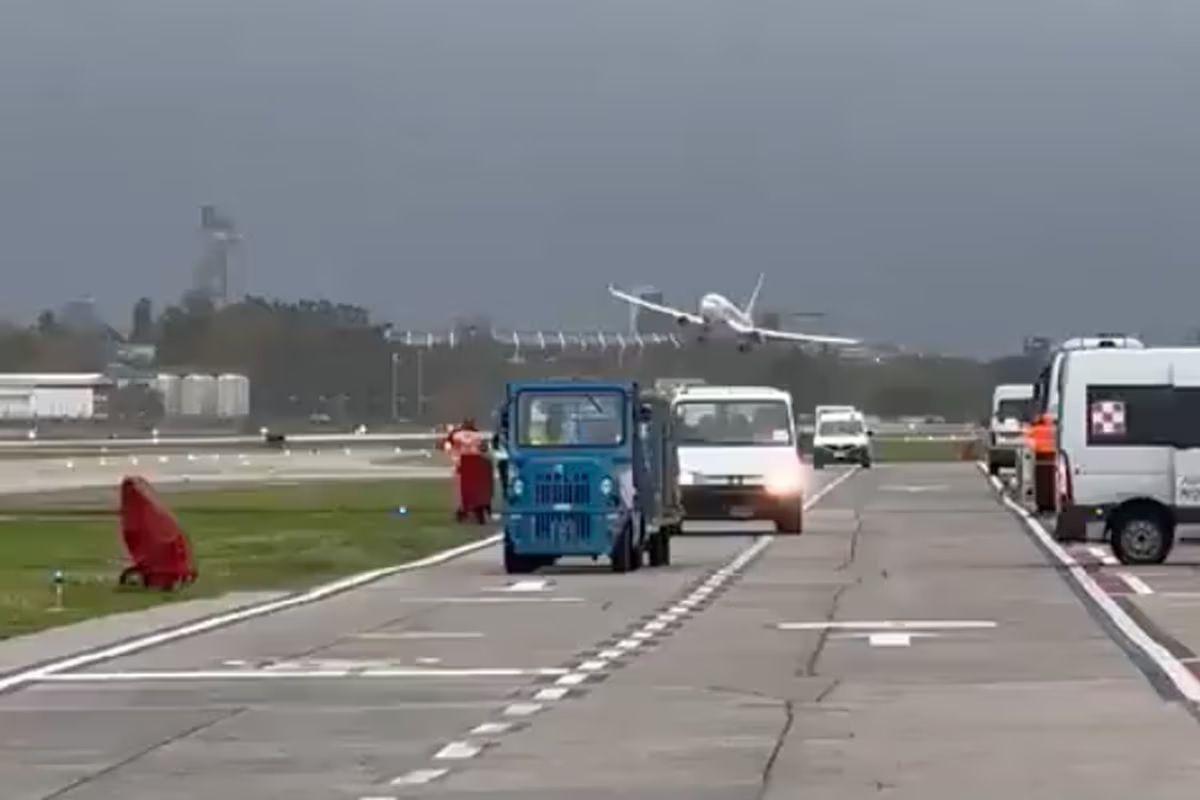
[(718, 309)]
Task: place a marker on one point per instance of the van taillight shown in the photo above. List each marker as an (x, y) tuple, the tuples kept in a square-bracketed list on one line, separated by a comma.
[(1062, 476)]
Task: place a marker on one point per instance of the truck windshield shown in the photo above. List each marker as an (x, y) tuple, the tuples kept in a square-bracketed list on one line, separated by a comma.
[(568, 419), (733, 422), (841, 427), (1012, 409)]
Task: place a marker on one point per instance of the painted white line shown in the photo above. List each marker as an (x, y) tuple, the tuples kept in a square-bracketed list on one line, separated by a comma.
[(236, 662), (610, 654), (1104, 556), (298, 674), (551, 694), (232, 617), (428, 661), (1137, 584), (889, 639), (457, 751), (571, 679), (404, 635), (629, 644), (667, 618), (679, 609), (522, 709), (643, 635), (888, 625), (593, 666), (418, 777), (378, 797), (490, 728), (1187, 683), (526, 586), (655, 626), (485, 600)]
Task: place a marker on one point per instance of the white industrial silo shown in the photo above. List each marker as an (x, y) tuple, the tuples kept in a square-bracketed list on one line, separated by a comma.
[(233, 396), (170, 388), (198, 397)]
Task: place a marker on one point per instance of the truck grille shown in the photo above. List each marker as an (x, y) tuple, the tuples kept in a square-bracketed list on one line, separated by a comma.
[(562, 529), (570, 487)]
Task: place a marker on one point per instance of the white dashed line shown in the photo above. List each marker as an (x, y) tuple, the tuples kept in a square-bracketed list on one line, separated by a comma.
[(404, 635), (522, 709), (889, 639), (571, 679), (1105, 557), (490, 728), (629, 644), (527, 586), (418, 777), (655, 626), (592, 666), (457, 751), (296, 674), (888, 625), (551, 694), (1134, 582), (643, 635), (609, 654)]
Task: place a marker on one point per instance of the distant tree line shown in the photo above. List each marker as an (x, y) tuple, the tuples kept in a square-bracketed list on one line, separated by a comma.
[(318, 360)]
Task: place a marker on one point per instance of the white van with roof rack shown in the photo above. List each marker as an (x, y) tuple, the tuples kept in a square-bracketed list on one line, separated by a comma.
[(1128, 448), (738, 458)]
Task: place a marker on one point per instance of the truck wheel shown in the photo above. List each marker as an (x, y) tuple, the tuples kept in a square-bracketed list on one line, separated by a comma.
[(865, 463), (1142, 539), (791, 520), (660, 548), (623, 550), (818, 463), (993, 467), (516, 564)]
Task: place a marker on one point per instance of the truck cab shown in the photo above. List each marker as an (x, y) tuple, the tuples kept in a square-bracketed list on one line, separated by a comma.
[(738, 455), (590, 471)]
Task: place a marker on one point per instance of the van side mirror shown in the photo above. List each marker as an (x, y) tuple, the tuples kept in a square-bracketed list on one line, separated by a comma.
[(645, 413)]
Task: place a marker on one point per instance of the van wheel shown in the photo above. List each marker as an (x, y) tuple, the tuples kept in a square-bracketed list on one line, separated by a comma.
[(623, 551), (791, 520), (1142, 539), (660, 548), (993, 467)]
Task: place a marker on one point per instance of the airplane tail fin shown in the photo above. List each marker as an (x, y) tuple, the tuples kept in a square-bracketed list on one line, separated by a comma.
[(754, 296)]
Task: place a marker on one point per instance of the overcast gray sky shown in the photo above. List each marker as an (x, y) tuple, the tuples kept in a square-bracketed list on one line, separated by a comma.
[(944, 173)]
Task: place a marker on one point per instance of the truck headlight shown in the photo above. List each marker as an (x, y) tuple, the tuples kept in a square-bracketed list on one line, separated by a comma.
[(517, 487), (783, 482), (606, 486)]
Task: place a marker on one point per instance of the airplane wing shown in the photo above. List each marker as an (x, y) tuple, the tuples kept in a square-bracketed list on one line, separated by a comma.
[(789, 336), (677, 313)]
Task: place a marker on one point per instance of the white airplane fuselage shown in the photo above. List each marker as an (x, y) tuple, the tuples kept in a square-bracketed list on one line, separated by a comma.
[(716, 308)]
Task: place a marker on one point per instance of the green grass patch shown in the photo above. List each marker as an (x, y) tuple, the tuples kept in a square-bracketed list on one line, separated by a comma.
[(275, 537)]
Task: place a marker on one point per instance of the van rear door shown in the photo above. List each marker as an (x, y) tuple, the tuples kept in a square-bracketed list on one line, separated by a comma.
[(1186, 426), (1115, 406)]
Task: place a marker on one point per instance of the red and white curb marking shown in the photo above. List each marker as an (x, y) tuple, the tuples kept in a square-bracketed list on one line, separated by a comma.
[(1184, 680)]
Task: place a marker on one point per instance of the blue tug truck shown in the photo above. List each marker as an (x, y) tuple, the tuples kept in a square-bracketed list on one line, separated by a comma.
[(589, 470)]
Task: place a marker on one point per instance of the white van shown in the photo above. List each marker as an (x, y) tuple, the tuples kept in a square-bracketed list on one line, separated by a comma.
[(1129, 447), (841, 437), (1010, 408), (738, 457), (1045, 391)]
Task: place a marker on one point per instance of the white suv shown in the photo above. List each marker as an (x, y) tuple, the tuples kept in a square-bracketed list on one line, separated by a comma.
[(738, 457)]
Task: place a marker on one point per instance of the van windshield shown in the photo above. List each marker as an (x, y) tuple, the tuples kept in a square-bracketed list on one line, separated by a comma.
[(568, 419), (841, 427), (1013, 408), (733, 422)]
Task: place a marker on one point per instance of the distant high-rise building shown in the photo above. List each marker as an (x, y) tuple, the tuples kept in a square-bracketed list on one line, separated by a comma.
[(219, 236), (644, 321)]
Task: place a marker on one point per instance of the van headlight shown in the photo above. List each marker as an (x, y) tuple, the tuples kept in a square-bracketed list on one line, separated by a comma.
[(784, 482), (517, 487), (606, 486)]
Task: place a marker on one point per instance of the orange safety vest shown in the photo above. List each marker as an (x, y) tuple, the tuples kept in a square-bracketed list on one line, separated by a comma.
[(1040, 437)]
